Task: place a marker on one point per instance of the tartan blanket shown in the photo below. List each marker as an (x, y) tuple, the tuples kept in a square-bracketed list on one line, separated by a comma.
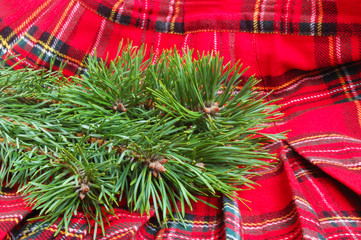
[(307, 52)]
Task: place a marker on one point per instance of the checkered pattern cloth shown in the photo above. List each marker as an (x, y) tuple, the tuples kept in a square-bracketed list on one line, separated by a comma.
[(307, 52)]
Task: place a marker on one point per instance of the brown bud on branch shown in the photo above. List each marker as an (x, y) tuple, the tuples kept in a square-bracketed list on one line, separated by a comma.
[(119, 107), (213, 109), (157, 166)]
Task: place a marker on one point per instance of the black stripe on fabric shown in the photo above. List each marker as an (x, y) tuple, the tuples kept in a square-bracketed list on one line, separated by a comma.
[(33, 29), (328, 28), (106, 12), (246, 25)]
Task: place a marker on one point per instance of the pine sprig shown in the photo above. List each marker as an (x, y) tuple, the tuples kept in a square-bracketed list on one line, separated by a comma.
[(158, 135), (81, 178)]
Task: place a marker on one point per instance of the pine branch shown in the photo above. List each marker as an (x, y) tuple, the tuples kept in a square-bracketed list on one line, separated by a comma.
[(158, 135)]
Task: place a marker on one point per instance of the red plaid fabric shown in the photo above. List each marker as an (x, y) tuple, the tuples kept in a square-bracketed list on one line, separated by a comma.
[(307, 52)]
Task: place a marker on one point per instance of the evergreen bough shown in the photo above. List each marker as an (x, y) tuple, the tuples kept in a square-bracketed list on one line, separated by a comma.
[(156, 134)]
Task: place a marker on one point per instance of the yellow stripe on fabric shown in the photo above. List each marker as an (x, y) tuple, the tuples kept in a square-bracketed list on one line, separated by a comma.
[(319, 136), (117, 237), (320, 17), (200, 222), (331, 50), (195, 222), (343, 84), (58, 53), (152, 225), (9, 219), (305, 173), (175, 16), (5, 42), (24, 23), (271, 220), (79, 236), (8, 194), (271, 170), (358, 107), (60, 22), (302, 200), (339, 217), (336, 164), (115, 7), (287, 83), (234, 207), (205, 222), (255, 16)]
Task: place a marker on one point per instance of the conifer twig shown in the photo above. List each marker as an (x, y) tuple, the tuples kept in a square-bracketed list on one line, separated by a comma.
[(158, 135)]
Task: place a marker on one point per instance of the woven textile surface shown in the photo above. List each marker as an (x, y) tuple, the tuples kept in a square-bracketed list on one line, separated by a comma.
[(307, 52)]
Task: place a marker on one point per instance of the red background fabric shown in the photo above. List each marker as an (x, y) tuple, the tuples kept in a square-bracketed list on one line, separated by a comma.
[(307, 52)]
